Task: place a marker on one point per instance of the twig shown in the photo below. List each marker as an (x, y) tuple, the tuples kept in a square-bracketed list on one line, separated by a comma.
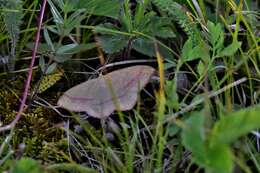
[(29, 78), (49, 106), (125, 62), (197, 6), (210, 95)]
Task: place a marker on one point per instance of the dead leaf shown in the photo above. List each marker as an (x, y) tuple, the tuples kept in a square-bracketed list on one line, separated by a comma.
[(97, 97)]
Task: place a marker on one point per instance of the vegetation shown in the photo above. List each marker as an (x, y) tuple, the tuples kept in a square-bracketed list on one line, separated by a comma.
[(199, 112)]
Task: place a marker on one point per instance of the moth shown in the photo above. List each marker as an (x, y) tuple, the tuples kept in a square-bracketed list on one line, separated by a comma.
[(100, 97)]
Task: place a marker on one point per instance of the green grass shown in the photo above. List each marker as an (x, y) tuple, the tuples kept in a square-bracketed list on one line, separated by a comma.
[(199, 113)]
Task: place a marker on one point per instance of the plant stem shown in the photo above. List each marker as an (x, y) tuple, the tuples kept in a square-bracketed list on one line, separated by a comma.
[(29, 78)]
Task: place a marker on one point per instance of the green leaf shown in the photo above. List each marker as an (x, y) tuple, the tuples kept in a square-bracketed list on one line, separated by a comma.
[(65, 49), (190, 53), (126, 18), (230, 49), (172, 129), (201, 68), (61, 58), (169, 64), (73, 21), (235, 125), (26, 165), (68, 5), (213, 151), (65, 52), (139, 14), (55, 13), (186, 52), (114, 38), (82, 47), (107, 28), (48, 39), (160, 27), (216, 34), (172, 100), (193, 137), (42, 63), (60, 3), (43, 47), (70, 167), (144, 46), (200, 51), (110, 8), (164, 32), (51, 68), (219, 159)]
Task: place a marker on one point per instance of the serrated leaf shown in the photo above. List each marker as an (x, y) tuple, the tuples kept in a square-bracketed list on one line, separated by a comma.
[(110, 8), (160, 27), (216, 33), (112, 43), (148, 22), (107, 28), (164, 32), (190, 53), (230, 49), (144, 46)]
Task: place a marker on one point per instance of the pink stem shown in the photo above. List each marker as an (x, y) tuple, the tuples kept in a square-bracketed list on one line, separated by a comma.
[(29, 78)]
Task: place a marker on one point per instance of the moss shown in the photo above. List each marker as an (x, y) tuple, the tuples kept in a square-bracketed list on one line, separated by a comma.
[(35, 129)]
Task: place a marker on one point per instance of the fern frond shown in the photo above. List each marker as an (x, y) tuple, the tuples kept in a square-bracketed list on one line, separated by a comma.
[(49, 80), (179, 15)]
